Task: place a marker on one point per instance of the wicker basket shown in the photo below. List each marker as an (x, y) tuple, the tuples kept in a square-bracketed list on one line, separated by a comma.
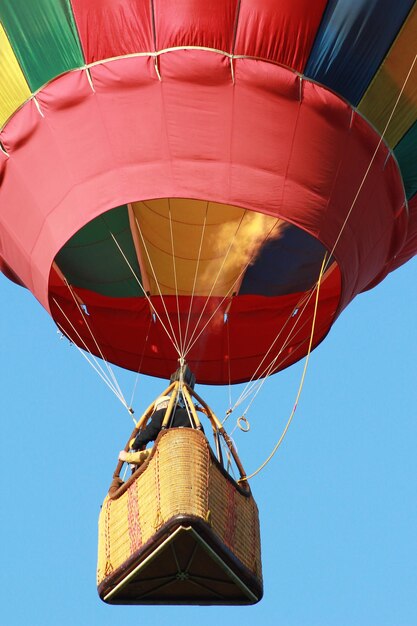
[(180, 531)]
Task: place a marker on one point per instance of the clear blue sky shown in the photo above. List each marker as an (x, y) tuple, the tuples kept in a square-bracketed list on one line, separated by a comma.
[(338, 503)]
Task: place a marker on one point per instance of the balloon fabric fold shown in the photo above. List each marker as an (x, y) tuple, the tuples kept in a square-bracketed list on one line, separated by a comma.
[(172, 175)]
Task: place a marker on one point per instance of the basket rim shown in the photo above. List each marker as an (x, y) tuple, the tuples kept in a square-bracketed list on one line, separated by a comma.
[(243, 488)]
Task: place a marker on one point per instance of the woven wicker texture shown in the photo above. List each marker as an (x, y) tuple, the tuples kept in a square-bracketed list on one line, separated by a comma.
[(234, 518), (181, 478)]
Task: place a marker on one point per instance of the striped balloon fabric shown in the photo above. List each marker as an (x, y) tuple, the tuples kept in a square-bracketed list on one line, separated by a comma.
[(174, 175)]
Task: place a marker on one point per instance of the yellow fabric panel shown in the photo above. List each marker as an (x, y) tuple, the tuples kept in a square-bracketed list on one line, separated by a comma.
[(14, 90), (381, 96), (229, 241)]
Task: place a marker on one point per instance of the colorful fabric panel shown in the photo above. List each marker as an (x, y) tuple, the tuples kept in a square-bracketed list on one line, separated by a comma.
[(353, 39), (43, 37), (14, 90), (93, 260), (190, 247)]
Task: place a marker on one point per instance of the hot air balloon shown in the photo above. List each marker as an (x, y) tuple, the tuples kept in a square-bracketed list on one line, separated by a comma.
[(177, 179)]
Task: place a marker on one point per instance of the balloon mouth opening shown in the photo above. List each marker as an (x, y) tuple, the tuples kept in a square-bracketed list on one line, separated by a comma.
[(169, 277)]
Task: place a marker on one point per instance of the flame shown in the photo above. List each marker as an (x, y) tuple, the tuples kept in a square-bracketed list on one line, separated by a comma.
[(236, 245), (213, 244)]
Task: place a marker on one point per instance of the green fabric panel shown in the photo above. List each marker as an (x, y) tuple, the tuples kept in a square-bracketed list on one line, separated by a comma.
[(91, 259), (406, 154), (43, 36)]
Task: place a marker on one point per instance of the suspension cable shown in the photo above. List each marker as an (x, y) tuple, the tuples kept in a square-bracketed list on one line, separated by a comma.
[(277, 445), (171, 338), (140, 363), (175, 279), (381, 139), (228, 293), (189, 345), (109, 369), (174, 337), (270, 370), (248, 389), (96, 366), (330, 255), (229, 369), (200, 249), (181, 349), (324, 267), (292, 334), (97, 369)]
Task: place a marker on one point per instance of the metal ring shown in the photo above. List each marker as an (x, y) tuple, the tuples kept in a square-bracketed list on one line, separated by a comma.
[(243, 423)]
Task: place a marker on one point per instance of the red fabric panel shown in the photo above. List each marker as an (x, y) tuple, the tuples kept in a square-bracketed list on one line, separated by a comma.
[(409, 248), (195, 23), (18, 233), (267, 142), (41, 168), (7, 271), (286, 181), (114, 322), (285, 34), (111, 28)]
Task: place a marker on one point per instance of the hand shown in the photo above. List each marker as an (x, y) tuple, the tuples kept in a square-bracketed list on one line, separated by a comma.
[(122, 455)]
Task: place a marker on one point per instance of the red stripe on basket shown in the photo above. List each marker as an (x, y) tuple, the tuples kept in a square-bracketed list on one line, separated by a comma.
[(229, 534), (135, 534), (108, 568)]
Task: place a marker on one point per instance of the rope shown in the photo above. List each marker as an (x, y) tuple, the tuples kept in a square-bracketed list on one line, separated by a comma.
[(324, 267), (173, 338), (229, 370), (229, 467), (277, 445), (203, 230), (381, 139), (252, 383), (96, 367), (273, 365), (269, 371), (181, 350), (175, 278), (190, 345), (140, 364), (246, 393), (230, 290), (109, 369)]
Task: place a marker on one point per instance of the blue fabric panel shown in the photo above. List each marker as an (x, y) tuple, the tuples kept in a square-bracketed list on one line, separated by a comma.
[(290, 264), (353, 40), (406, 155)]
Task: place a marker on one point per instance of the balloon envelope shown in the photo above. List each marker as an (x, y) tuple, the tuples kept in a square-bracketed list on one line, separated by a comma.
[(173, 175)]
